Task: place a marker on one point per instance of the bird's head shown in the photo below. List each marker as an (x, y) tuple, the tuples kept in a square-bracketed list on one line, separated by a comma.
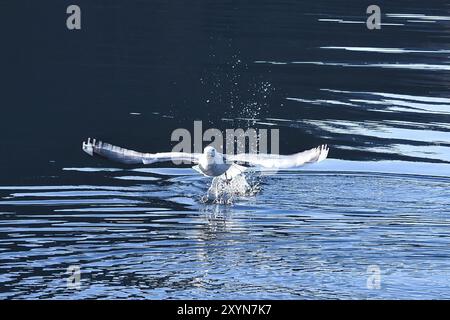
[(210, 152)]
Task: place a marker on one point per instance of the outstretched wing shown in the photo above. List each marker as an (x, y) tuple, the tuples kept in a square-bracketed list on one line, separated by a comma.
[(272, 161), (118, 154)]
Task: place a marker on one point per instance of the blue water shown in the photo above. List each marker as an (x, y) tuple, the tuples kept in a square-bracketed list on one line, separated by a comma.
[(306, 235), (141, 69)]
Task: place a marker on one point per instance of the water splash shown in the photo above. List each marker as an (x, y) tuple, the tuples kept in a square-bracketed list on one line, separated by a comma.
[(224, 191)]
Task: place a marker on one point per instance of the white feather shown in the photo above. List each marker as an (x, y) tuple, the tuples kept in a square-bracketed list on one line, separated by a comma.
[(269, 161), (272, 161)]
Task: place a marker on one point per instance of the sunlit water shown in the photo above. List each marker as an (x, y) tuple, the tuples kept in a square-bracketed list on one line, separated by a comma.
[(304, 235), (311, 69)]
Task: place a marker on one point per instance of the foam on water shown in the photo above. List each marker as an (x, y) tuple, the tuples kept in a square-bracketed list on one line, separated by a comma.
[(224, 191)]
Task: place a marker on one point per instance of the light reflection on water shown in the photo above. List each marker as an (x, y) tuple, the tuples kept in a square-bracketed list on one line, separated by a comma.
[(305, 235), (377, 98)]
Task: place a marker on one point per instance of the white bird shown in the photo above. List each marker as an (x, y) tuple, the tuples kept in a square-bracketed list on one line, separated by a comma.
[(209, 163)]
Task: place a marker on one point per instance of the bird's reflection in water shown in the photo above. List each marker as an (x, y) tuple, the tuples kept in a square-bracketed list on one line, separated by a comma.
[(217, 252), (217, 217)]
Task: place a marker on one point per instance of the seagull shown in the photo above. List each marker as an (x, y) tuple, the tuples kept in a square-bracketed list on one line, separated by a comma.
[(210, 163)]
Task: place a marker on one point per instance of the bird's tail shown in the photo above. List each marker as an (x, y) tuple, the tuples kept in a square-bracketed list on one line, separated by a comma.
[(111, 152)]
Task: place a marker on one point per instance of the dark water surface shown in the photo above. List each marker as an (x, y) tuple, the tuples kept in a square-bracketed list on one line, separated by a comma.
[(140, 69)]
